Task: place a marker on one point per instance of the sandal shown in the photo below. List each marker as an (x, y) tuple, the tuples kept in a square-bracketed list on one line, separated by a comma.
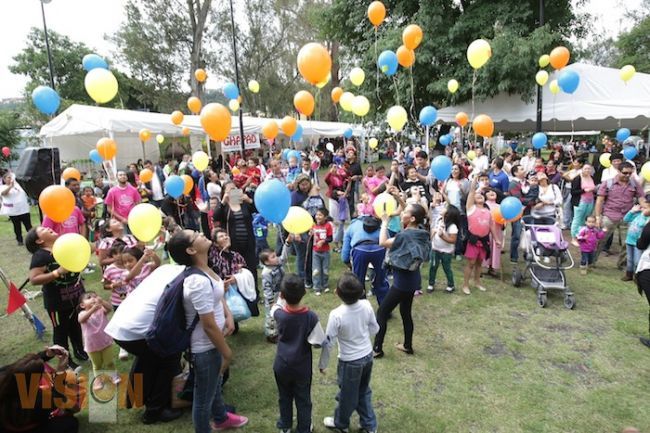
[(401, 348), (481, 288), (466, 291), (377, 355)]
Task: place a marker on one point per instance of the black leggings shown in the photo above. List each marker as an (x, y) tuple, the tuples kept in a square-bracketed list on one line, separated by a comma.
[(394, 298), (23, 219), (66, 326), (643, 282)]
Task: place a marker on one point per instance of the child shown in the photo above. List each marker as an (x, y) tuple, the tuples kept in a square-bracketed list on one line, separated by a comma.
[(322, 232), (438, 208), (636, 218), (92, 317), (298, 329), (364, 208), (260, 231), (588, 238), (352, 323), (272, 275), (314, 201), (89, 201), (138, 265), (496, 238), (294, 170), (444, 232)]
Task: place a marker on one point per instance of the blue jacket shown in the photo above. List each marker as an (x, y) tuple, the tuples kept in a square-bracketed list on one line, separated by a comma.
[(410, 250), (354, 235)]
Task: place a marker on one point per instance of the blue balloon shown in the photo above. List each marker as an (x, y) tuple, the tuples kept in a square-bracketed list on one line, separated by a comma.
[(231, 91), (630, 152), (539, 140), (568, 81), (623, 134), (441, 167), (446, 140), (93, 61), (272, 200), (387, 62), (428, 115), (285, 154), (46, 100), (295, 154), (174, 185), (297, 136), (347, 133), (95, 156), (511, 207)]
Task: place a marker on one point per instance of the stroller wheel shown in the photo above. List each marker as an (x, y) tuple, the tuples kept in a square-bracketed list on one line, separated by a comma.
[(541, 299), (517, 277), (570, 302)]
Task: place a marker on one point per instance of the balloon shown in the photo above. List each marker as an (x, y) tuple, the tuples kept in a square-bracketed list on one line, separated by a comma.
[(412, 36), (289, 125), (604, 160), (539, 140), (177, 117), (496, 216), (101, 85), (478, 53), (428, 115), (185, 131), (304, 102), (297, 136), (216, 121), (57, 202), (160, 139), (46, 100), (323, 83), (107, 148), (200, 160), (462, 118), (346, 101), (471, 155), (376, 13), (330, 146), (387, 62), (446, 139), (272, 200), (554, 87), (541, 77), (294, 154), (360, 106), (511, 207), (623, 134), (645, 171), (253, 86), (270, 129), (373, 143), (230, 91), (145, 135), (314, 62), (441, 167), (559, 57), (627, 72), (70, 173), (233, 104), (93, 61), (145, 221), (347, 133), (544, 60), (200, 75), (188, 184), (630, 152), (397, 117), (568, 81), (72, 251), (483, 125), (298, 220), (405, 56), (146, 175), (194, 104), (336, 94), (6, 151), (452, 86), (174, 185), (357, 76), (95, 156), (285, 154), (384, 203)]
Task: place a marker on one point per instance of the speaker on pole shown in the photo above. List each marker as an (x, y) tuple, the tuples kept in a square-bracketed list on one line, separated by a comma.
[(38, 168)]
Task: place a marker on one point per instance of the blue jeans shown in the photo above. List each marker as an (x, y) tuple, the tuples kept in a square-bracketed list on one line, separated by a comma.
[(633, 256), (580, 214), (586, 258), (290, 389), (364, 254), (514, 240), (208, 402), (353, 378), (300, 250), (320, 265)]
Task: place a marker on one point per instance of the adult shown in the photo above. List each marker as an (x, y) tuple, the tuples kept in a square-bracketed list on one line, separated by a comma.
[(583, 188), (338, 187), (61, 290), (422, 165), (307, 170), (396, 176), (169, 168), (614, 169), (355, 173), (113, 230), (15, 205), (454, 191), (121, 198), (643, 272), (554, 175), (497, 177), (574, 170), (302, 244), (518, 189), (549, 199), (528, 161), (157, 183), (481, 163)]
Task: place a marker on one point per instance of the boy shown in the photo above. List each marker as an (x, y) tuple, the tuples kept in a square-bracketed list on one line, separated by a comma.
[(260, 231), (353, 323), (272, 276), (322, 232), (298, 329)]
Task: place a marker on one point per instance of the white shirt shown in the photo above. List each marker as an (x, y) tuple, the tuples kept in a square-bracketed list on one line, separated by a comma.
[(15, 202), (203, 295), (608, 173), (214, 190), (481, 164), (156, 188), (352, 325), (528, 163), (440, 245)]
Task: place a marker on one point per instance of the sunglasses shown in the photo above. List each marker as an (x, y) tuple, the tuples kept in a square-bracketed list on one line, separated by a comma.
[(195, 237)]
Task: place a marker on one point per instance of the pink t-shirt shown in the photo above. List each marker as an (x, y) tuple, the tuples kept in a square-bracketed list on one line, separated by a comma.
[(113, 274), (587, 183), (71, 225), (95, 339), (478, 221), (373, 183), (147, 268), (122, 200)]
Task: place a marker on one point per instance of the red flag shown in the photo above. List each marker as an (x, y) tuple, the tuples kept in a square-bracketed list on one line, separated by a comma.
[(16, 299)]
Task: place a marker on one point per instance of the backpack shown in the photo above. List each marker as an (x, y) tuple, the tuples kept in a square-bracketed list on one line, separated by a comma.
[(168, 334)]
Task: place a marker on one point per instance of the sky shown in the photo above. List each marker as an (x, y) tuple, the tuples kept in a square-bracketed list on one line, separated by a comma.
[(90, 20)]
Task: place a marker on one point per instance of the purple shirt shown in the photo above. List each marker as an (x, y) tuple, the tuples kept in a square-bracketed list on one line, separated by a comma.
[(619, 198), (122, 200)]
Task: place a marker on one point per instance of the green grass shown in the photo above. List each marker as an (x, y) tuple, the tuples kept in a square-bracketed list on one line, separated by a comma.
[(489, 362)]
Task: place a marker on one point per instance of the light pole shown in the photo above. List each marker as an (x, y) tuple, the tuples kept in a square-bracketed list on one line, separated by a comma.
[(47, 44), (234, 49), (539, 88)]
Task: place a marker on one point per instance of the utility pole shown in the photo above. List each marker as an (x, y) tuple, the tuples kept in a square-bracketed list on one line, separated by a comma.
[(47, 44), (234, 49), (538, 127)]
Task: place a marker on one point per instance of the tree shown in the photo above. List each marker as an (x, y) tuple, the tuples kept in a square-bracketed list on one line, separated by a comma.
[(9, 129), (634, 46)]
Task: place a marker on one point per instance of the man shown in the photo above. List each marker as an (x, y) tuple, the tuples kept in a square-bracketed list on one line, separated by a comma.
[(121, 199), (76, 222), (528, 161), (170, 168), (497, 178), (481, 163), (422, 165), (517, 189), (156, 186), (612, 171)]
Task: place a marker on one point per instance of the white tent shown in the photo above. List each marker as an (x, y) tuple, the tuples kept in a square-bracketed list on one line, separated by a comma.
[(601, 102)]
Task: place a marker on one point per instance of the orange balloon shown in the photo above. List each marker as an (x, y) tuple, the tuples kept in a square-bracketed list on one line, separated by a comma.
[(106, 148), (146, 175), (497, 217), (560, 57), (194, 104), (189, 184), (462, 118), (57, 202), (483, 125), (376, 13), (336, 94), (177, 117), (71, 173), (185, 131), (314, 63), (145, 134), (289, 125), (405, 56), (412, 36), (270, 129), (216, 121), (304, 102), (200, 75)]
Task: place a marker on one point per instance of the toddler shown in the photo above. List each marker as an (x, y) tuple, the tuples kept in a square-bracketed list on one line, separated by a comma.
[(322, 233), (588, 238), (272, 275)]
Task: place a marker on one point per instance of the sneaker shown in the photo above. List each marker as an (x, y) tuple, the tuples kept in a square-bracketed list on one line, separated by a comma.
[(317, 293), (285, 430), (80, 354), (98, 384), (418, 293), (327, 290), (123, 354), (645, 341), (76, 368), (308, 286), (116, 379), (328, 422), (367, 430), (449, 289), (233, 421), (430, 289), (367, 278), (88, 271)]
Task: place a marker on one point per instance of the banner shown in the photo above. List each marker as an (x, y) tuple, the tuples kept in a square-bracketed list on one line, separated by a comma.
[(233, 143)]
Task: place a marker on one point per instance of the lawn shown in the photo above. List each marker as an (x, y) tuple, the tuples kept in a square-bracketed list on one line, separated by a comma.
[(489, 362)]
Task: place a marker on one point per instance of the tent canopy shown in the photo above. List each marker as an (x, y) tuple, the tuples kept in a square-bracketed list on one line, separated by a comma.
[(601, 102)]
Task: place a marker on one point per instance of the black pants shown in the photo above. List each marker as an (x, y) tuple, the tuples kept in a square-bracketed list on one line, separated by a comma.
[(17, 220), (394, 298), (205, 226), (59, 424), (294, 389), (65, 325), (643, 282), (157, 373)]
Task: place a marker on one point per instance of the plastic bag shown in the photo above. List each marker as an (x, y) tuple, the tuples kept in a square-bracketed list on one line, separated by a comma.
[(237, 306)]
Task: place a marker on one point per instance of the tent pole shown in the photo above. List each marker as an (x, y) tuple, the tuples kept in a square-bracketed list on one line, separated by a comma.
[(209, 146), (539, 88), (426, 139)]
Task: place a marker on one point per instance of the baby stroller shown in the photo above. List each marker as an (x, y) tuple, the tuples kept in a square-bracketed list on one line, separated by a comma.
[(547, 257)]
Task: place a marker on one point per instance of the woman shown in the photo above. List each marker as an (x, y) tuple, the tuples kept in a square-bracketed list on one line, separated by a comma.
[(301, 244), (338, 187), (203, 299), (15, 205), (213, 185), (61, 290), (582, 199), (454, 191), (570, 173), (112, 230), (549, 199)]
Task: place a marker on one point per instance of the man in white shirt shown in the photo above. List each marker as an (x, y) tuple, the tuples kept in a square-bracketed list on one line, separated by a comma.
[(481, 162), (528, 161), (156, 186)]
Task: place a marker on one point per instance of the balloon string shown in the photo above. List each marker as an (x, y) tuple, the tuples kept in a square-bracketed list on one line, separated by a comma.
[(471, 128), (396, 92), (318, 104), (412, 93), (377, 71), (572, 111), (554, 119)]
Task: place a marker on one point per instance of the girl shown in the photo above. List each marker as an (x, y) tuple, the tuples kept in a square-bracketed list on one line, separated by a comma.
[(114, 276), (112, 230), (364, 208), (138, 264), (494, 261), (338, 186), (444, 232), (99, 346)]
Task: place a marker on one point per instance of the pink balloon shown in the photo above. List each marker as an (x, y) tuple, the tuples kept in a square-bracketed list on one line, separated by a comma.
[(6, 151)]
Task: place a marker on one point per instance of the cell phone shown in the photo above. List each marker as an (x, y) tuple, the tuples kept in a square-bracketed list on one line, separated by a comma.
[(235, 196)]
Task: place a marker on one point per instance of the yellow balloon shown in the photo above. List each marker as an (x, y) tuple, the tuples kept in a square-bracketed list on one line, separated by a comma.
[(160, 138), (478, 53), (544, 60), (72, 252), (346, 101), (360, 105), (471, 155), (101, 85), (645, 171), (357, 76), (397, 117), (604, 160), (452, 86), (384, 203), (554, 87), (325, 81), (200, 160), (627, 72), (373, 143), (253, 86), (297, 221), (233, 104), (145, 221), (541, 77)]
